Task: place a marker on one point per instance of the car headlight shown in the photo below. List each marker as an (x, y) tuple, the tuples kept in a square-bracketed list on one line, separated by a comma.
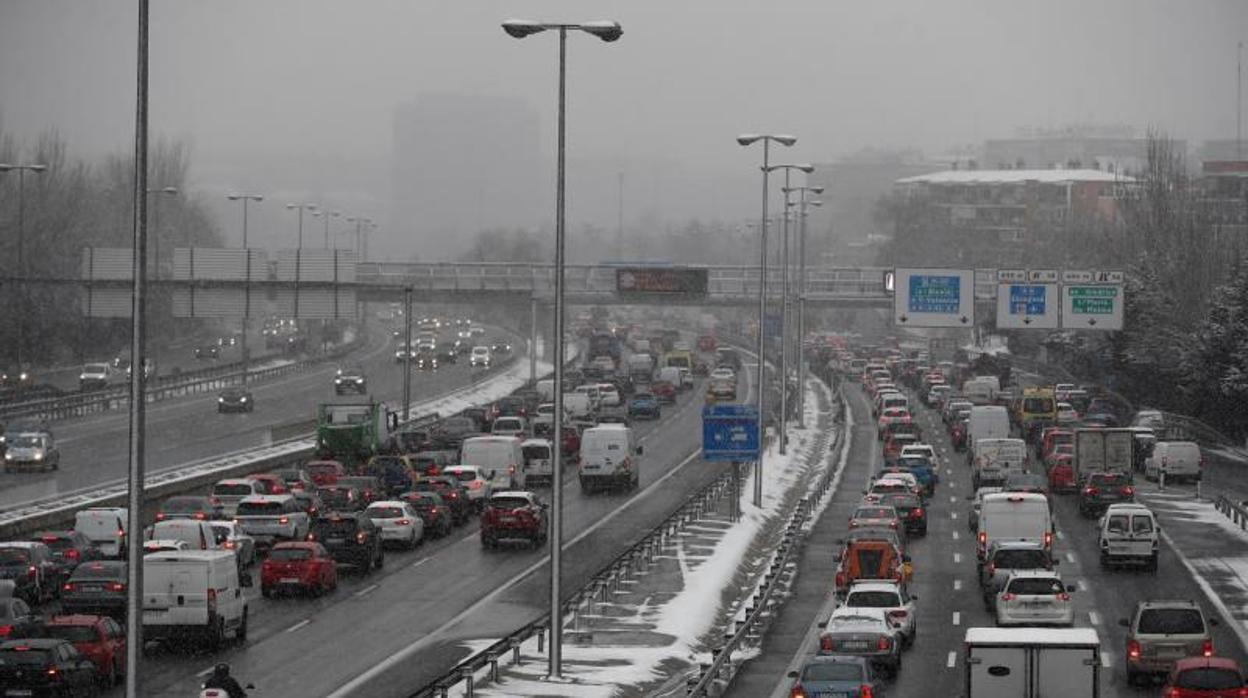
[(82, 376), (38, 456), (243, 399), (8, 456), (220, 399), (359, 380)]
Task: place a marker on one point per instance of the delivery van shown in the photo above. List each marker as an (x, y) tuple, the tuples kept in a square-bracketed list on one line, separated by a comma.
[(105, 527), (501, 455), (610, 458), (1179, 460), (194, 593), (986, 422), (1014, 516), (539, 457), (198, 535)]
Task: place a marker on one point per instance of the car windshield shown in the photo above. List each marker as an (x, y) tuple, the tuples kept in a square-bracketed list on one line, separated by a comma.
[(1171, 621), (24, 657), (465, 475), (14, 556), (240, 489), (27, 442), (1036, 586), (259, 508), (385, 513), (872, 599), (1109, 479), (1209, 679), (100, 570), (95, 368), (73, 633), (1020, 559), (335, 528), (509, 502), (833, 671), (874, 513), (289, 554)]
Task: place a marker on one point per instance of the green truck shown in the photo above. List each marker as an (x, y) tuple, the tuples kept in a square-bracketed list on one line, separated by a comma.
[(352, 432)]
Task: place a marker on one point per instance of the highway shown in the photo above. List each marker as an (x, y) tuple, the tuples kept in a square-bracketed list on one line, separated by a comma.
[(94, 449), (409, 623)]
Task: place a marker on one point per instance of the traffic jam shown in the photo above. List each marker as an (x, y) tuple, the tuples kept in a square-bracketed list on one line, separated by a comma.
[(1032, 454), (247, 545)]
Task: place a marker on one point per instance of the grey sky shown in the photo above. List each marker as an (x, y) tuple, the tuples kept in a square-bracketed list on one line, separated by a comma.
[(254, 84)]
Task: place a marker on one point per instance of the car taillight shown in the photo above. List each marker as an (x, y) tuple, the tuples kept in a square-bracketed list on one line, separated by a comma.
[(853, 524), (798, 691), (1048, 539), (511, 469), (160, 516), (1128, 491), (311, 536), (284, 520), (200, 515), (53, 673), (992, 568), (72, 554), (1063, 596), (6, 630), (476, 484), (32, 572), (361, 537), (212, 601), (840, 579), (67, 586), (115, 586), (405, 522), (825, 643), (916, 513), (1007, 596), (1091, 491), (1207, 648), (866, 691), (1133, 649), (884, 642)]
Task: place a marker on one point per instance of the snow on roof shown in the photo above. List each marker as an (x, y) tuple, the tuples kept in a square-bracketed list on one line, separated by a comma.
[(1038, 636), (1015, 176)]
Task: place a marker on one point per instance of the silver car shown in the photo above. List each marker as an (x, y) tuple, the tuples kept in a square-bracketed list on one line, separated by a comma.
[(1035, 597)]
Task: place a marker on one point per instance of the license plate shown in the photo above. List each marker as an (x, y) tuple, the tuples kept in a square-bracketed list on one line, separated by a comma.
[(90, 587), (336, 541), (854, 645), (289, 580), (19, 692), (507, 519), (833, 694)]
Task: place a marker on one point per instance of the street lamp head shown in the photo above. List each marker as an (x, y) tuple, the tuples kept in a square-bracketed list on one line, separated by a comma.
[(606, 30), (520, 28), (816, 202), (748, 138), (816, 189), (164, 190), (785, 140), (806, 168)]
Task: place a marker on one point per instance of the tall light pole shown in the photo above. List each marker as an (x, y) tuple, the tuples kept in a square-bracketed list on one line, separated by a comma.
[(167, 191), (607, 31), (784, 307), (801, 295), (761, 387), (326, 215), (246, 355), (245, 198), (359, 222), (1239, 101), (21, 253), (301, 207)]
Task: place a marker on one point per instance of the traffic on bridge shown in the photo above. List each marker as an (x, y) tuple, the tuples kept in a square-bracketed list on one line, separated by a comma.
[(797, 350)]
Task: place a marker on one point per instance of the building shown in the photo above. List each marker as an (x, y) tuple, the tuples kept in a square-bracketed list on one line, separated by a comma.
[(1111, 148), (462, 164), (1222, 200)]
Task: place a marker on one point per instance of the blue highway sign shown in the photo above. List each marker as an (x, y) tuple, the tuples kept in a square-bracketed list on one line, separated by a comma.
[(730, 433), (1027, 300)]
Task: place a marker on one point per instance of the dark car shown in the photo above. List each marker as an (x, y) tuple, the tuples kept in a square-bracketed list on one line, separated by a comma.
[(447, 352), (351, 538), (295, 479), (426, 360), (97, 587), (644, 405), (340, 498), (432, 462), (209, 351), (453, 494), (510, 406), (1027, 482), (1098, 490), (434, 512), (451, 432), (664, 391), (501, 347), (350, 380), (191, 507), (35, 574), (309, 500), (45, 667), (69, 548), (100, 638), (480, 415), (236, 400), (396, 473), (18, 620), (910, 510), (369, 487)]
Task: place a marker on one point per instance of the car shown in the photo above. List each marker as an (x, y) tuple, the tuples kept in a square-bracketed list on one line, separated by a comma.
[(1160, 632), (433, 511), (95, 376), (1034, 597), (453, 494), (426, 360), (1062, 473), (1027, 482), (644, 405), (351, 539), (500, 347), (1100, 489), (17, 619), (350, 379), (270, 483), (863, 632), (514, 515), (208, 351), (231, 491), (1127, 533), (447, 352), (909, 508), (99, 638), (309, 501), (232, 537), (69, 548), (893, 598), (478, 483), (293, 479), (1205, 677), (46, 667), (923, 470), (480, 356), (97, 587), (836, 675), (164, 545), (235, 400), (891, 483), (665, 391), (1004, 558), (1066, 413), (191, 506), (870, 558), (34, 571), (510, 426), (398, 522), (324, 472), (298, 566), (369, 487), (340, 498), (452, 431)]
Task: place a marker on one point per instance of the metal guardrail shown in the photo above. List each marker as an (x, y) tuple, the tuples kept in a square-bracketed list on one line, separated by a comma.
[(1233, 511)]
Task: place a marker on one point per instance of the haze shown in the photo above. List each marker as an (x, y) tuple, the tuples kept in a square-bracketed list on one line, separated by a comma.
[(296, 99)]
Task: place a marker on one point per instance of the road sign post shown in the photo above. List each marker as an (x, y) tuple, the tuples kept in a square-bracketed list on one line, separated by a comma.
[(934, 298)]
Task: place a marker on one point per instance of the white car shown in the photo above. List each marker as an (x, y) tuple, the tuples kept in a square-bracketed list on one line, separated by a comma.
[(890, 596), (398, 522), (164, 545), (474, 479), (608, 395), (928, 451), (480, 356), (892, 483), (234, 490), (723, 373), (1035, 597), (233, 537), (1066, 413), (510, 426)]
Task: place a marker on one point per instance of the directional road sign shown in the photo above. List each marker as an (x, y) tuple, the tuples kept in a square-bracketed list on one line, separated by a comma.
[(1092, 306), (934, 298), (1027, 306), (730, 433)]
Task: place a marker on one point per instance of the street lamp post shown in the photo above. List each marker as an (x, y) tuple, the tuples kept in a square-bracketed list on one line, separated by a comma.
[(246, 355), (784, 307), (607, 31), (301, 207), (359, 222), (760, 388), (326, 215), (21, 253), (167, 191), (245, 198), (801, 296)]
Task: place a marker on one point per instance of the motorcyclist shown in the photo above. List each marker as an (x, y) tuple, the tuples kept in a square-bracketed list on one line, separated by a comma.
[(222, 681)]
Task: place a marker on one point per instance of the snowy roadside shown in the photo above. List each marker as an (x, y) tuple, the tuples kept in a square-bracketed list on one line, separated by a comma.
[(657, 627)]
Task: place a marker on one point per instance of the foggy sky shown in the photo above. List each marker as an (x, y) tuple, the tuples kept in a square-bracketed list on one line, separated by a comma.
[(296, 98)]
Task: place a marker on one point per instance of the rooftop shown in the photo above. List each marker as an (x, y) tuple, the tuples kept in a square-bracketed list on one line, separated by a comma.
[(1015, 176)]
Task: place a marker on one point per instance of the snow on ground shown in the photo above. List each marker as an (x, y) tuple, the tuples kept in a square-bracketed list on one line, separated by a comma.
[(654, 630)]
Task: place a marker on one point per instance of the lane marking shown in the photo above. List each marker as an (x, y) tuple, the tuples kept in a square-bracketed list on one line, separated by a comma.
[(953, 498), (957, 558), (1070, 557), (957, 618), (419, 562), (1061, 535), (1094, 617), (1081, 585), (955, 535), (365, 591), (207, 671), (953, 660), (957, 585), (949, 471), (298, 625), (953, 514), (1106, 660)]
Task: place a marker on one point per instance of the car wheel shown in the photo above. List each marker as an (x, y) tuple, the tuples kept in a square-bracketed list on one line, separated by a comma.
[(110, 679), (266, 592), (411, 544), (381, 558), (240, 634)]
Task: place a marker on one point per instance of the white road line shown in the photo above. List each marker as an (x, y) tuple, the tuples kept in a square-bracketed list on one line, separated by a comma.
[(298, 625), (1106, 660), (365, 591), (957, 585), (1070, 557), (953, 514), (949, 471), (955, 535), (1094, 617), (207, 671), (351, 687), (1061, 535), (953, 498), (957, 618), (957, 558), (1081, 585), (419, 562), (953, 660)]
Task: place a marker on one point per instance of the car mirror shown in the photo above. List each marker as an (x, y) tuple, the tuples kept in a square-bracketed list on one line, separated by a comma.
[(1054, 562), (792, 674), (1070, 587), (640, 450), (245, 580), (905, 558), (1124, 622), (822, 625)]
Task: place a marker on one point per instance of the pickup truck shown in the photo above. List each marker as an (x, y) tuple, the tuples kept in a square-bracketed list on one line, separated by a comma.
[(269, 518)]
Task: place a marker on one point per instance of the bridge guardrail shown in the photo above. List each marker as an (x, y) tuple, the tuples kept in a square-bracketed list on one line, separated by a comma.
[(1232, 510)]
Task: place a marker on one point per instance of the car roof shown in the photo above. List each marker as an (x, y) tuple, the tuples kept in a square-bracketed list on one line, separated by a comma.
[(1128, 507), (1187, 663), (75, 619), (874, 613), (535, 442), (1168, 603), (387, 503), (1015, 545), (1042, 574), (874, 585), (513, 493), (265, 498), (235, 481), (34, 643)]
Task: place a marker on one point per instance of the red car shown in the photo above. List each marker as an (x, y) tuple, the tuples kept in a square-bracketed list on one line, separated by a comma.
[(664, 391), (1062, 474), (571, 443), (100, 638), (272, 483), (513, 515), (1205, 677), (325, 472), (298, 566)]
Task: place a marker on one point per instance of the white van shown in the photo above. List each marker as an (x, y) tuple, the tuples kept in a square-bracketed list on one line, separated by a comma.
[(1179, 460), (546, 389), (577, 406), (105, 527), (539, 455), (197, 534), (986, 422), (610, 458), (671, 374), (980, 391), (590, 390), (609, 395), (194, 592), (500, 454), (1128, 533), (1014, 516)]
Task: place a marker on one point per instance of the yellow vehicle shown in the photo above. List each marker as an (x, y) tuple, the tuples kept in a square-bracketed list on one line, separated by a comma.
[(680, 358), (1036, 405)]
